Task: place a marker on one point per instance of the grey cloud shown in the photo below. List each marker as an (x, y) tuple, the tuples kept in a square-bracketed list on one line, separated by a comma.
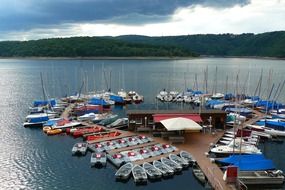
[(42, 13)]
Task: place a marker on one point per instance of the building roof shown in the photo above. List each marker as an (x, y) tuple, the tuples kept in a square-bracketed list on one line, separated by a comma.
[(159, 117)]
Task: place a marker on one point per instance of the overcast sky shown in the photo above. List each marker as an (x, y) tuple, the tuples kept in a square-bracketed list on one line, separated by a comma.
[(35, 19)]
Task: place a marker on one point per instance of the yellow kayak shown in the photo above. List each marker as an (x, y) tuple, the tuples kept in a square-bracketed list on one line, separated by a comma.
[(54, 131)]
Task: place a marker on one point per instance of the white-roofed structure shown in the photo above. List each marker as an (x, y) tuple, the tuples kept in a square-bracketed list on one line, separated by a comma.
[(180, 123)]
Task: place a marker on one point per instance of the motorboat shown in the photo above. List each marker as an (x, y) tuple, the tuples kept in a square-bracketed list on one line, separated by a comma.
[(108, 120), (144, 153), (236, 147), (87, 117), (36, 120), (121, 143), (117, 159), (61, 124), (168, 148), (152, 172), (178, 160), (124, 171), (119, 122), (171, 164), (109, 145), (132, 141), (98, 158), (155, 150), (79, 149), (97, 147), (164, 169), (186, 156), (139, 174), (145, 139), (131, 156)]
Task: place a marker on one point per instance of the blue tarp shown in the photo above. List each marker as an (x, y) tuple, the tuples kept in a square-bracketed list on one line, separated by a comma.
[(229, 96), (38, 103), (50, 123), (211, 103), (117, 99), (98, 101), (39, 119), (241, 111), (252, 162)]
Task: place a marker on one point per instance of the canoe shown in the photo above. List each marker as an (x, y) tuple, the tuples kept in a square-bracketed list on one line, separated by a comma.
[(124, 171), (152, 172), (164, 169), (171, 164), (139, 174), (187, 156), (178, 160)]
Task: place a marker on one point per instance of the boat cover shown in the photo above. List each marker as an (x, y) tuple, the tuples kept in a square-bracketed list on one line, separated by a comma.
[(251, 162)]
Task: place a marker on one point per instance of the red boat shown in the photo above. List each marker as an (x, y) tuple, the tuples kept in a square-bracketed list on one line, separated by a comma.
[(99, 136), (80, 132)]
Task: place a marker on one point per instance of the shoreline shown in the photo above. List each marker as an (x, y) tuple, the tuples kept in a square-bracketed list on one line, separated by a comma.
[(141, 58)]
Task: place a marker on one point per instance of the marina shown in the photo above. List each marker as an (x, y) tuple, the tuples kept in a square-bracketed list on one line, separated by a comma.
[(148, 139)]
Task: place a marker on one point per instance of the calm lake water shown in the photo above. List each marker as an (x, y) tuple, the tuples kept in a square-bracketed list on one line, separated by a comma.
[(31, 160)]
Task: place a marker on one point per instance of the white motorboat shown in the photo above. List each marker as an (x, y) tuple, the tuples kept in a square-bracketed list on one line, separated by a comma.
[(235, 147)]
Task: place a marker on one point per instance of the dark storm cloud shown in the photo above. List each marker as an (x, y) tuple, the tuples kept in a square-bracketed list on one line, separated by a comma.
[(28, 14)]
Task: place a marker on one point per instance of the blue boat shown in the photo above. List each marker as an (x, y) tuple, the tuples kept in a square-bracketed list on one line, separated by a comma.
[(36, 120), (241, 111), (119, 100)]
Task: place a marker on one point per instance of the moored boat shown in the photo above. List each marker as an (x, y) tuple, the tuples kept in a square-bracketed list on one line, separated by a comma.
[(164, 169), (124, 171), (171, 164), (79, 149), (139, 174), (187, 156), (178, 160), (198, 173), (152, 172), (98, 158), (53, 131)]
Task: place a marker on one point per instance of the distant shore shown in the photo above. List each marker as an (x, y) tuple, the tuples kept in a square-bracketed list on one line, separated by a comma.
[(141, 58)]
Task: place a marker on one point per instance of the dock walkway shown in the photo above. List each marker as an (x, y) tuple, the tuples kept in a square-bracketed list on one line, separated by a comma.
[(197, 144)]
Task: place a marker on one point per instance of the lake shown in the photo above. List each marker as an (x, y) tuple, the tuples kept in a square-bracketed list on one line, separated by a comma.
[(31, 160)]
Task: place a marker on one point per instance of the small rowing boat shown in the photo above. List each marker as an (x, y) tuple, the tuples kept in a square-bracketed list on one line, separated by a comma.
[(178, 160), (187, 156), (152, 172), (171, 164), (124, 171), (164, 169), (139, 174), (79, 149)]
